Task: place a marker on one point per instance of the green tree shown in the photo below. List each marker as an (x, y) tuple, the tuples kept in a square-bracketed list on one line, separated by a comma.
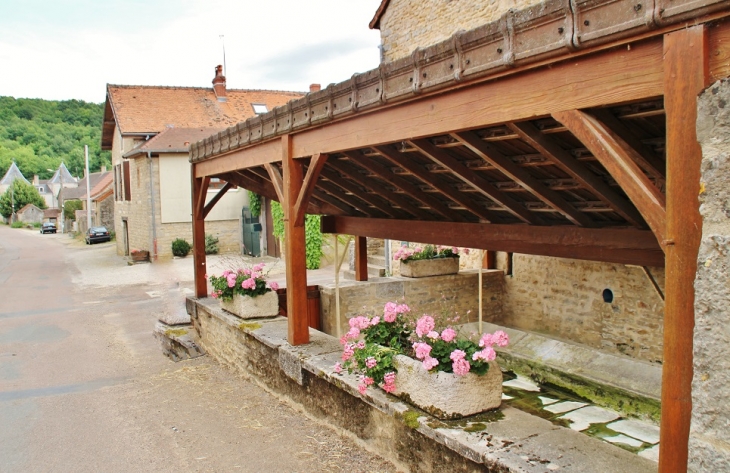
[(18, 195)]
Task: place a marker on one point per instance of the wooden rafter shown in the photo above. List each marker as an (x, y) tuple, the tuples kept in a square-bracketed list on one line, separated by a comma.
[(373, 200), (410, 189), (625, 245), (330, 193), (352, 173), (310, 179), (473, 179), (563, 159), (276, 180), (437, 183), (209, 206), (489, 153), (616, 156)]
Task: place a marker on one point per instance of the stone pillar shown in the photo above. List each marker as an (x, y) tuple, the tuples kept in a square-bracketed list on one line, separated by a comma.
[(709, 445)]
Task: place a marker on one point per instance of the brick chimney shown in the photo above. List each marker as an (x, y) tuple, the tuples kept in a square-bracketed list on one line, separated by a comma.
[(315, 87), (36, 180), (219, 84), (103, 168)]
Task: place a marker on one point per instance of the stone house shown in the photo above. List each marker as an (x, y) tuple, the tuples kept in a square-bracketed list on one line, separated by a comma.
[(30, 214), (102, 202), (149, 130), (97, 180)]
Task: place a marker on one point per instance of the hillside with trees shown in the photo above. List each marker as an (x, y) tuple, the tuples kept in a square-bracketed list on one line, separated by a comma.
[(39, 134)]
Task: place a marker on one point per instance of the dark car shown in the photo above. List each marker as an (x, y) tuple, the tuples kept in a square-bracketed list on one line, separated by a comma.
[(48, 227), (97, 234)]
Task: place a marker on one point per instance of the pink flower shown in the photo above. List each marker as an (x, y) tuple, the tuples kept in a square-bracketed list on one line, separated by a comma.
[(402, 308), (423, 350), (259, 267), (429, 363), (461, 366), (424, 325), (448, 334), (227, 272), (389, 312), (362, 388), (500, 338), (246, 271), (338, 367), (273, 285), (361, 322), (214, 295), (371, 362), (360, 345), (231, 279), (457, 355), (353, 333), (389, 388), (487, 354), (389, 377), (348, 351), (375, 320), (368, 380), (433, 335), (249, 284), (486, 340)]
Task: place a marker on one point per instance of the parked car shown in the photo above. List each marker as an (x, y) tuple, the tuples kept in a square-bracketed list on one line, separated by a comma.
[(48, 227), (97, 234)]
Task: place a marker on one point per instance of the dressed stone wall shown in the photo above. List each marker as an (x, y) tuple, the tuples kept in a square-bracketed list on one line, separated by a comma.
[(409, 24), (709, 445)]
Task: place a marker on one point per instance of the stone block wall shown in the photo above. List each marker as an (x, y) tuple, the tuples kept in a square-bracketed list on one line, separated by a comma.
[(563, 298), (409, 24), (105, 209), (228, 233), (709, 445), (455, 294), (137, 211)]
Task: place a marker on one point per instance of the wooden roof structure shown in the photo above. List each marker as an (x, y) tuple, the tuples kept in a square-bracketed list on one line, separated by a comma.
[(567, 129)]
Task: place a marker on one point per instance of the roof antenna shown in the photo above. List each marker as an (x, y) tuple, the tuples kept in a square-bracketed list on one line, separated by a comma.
[(223, 43)]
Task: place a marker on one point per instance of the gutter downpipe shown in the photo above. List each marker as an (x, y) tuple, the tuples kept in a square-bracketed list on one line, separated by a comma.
[(152, 203)]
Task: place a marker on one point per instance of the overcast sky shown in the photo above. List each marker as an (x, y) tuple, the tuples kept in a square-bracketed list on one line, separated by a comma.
[(70, 49)]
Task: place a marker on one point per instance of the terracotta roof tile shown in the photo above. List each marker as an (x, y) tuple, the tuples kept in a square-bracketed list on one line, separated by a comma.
[(173, 140), (103, 183)]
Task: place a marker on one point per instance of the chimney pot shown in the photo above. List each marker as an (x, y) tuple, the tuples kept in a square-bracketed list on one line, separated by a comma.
[(315, 87), (219, 84)]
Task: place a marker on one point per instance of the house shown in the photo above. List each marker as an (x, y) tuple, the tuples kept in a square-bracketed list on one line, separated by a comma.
[(562, 137), (61, 179), (101, 197), (78, 192), (11, 175), (149, 130), (30, 214)]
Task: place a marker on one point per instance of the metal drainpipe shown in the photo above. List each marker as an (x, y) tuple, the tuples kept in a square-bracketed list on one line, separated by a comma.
[(152, 202)]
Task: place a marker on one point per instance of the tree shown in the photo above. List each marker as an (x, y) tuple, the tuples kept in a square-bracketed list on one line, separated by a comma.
[(17, 196)]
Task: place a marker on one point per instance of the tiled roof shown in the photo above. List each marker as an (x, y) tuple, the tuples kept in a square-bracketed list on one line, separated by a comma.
[(375, 22), (13, 174), (51, 213), (172, 140), (27, 207), (150, 109), (61, 176), (80, 191), (101, 185)]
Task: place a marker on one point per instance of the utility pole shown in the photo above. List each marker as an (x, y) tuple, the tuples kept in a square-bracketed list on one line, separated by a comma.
[(88, 189)]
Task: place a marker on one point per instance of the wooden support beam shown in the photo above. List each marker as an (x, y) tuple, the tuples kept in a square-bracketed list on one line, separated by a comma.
[(351, 201), (361, 258), (490, 154), (616, 156), (253, 156), (276, 180), (296, 270), (438, 183), (685, 76), (251, 182), (199, 190), (470, 177), (338, 200), (624, 245), (371, 199), (209, 206), (310, 180), (398, 181), (352, 173), (563, 159)]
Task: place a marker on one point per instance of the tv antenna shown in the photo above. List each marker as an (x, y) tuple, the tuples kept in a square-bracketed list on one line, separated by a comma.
[(223, 43)]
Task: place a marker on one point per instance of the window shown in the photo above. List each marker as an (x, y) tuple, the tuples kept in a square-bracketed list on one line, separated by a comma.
[(259, 108)]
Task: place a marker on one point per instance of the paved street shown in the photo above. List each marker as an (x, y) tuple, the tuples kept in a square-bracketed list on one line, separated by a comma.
[(85, 387)]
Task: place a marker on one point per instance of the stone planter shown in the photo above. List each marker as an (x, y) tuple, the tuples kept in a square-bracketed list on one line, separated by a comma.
[(429, 267), (446, 395), (246, 307)]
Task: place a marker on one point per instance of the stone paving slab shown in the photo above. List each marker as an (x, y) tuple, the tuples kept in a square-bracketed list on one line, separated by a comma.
[(621, 438), (546, 401), (583, 418), (565, 406), (639, 430), (650, 453), (522, 383)]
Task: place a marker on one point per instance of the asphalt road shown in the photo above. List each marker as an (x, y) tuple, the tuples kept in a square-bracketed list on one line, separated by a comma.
[(84, 386)]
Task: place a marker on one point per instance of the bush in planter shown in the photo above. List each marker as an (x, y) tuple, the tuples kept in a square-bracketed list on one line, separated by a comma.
[(405, 253), (180, 247), (371, 344), (245, 281)]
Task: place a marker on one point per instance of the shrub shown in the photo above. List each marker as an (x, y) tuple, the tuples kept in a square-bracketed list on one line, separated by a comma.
[(211, 244), (17, 224), (180, 247)]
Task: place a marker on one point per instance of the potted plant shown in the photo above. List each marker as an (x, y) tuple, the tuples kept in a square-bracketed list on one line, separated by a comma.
[(455, 376), (246, 293), (428, 260), (139, 256)]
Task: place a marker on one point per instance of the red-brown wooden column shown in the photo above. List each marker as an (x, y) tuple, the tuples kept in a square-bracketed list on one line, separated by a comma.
[(361, 258), (199, 191), (685, 76), (296, 269)]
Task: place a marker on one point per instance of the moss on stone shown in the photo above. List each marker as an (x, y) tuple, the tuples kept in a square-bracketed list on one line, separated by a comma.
[(176, 332), (250, 326), (410, 419), (475, 427)]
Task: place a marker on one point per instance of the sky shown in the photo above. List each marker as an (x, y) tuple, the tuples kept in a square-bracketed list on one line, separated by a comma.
[(70, 49)]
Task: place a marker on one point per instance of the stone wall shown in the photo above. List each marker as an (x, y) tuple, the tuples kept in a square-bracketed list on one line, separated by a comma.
[(709, 446), (409, 24), (105, 209), (455, 294), (563, 298)]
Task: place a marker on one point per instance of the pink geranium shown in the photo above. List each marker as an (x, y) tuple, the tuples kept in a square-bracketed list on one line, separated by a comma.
[(273, 285), (249, 284), (461, 366), (448, 334), (423, 350), (429, 363), (424, 325), (371, 362)]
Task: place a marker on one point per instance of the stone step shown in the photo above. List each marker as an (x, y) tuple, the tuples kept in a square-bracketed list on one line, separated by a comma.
[(376, 260), (178, 342), (373, 271)]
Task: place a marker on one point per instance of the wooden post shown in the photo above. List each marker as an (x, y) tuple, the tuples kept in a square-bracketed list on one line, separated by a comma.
[(685, 76), (361, 258), (199, 189), (296, 269)]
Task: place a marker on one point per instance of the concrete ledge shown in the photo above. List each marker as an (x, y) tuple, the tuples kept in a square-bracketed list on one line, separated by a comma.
[(510, 440), (625, 385)]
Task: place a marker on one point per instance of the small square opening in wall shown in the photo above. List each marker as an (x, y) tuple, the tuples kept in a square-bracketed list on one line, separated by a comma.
[(259, 108)]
